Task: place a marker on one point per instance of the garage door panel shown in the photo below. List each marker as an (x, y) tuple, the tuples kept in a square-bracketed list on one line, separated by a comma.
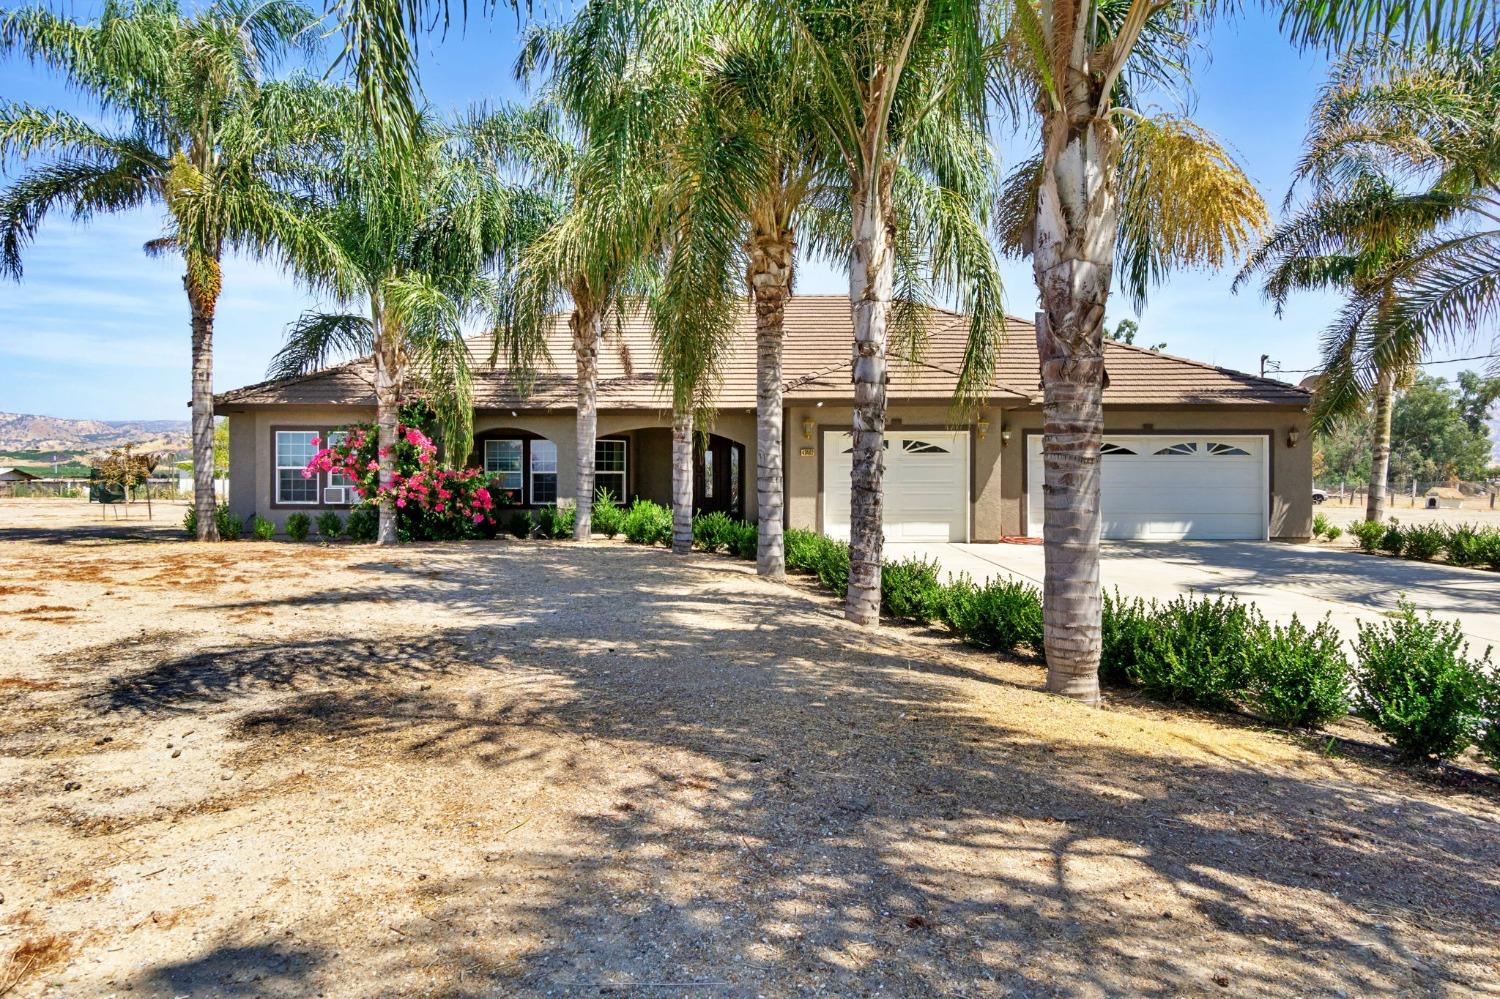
[(926, 495), (1172, 487)]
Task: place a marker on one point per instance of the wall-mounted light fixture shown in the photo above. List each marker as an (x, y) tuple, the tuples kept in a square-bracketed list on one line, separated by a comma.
[(1293, 436), (808, 426), (1004, 435), (982, 425)]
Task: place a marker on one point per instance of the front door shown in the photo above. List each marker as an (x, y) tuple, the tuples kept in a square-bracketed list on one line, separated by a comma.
[(719, 476)]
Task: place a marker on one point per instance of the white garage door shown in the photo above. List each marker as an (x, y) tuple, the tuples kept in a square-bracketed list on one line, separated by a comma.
[(926, 485), (1157, 487)]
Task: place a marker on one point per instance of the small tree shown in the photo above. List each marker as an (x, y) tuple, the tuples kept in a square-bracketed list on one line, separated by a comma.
[(125, 469)]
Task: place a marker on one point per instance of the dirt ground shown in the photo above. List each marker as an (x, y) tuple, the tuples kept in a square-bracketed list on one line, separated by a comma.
[(1477, 511), (541, 769)]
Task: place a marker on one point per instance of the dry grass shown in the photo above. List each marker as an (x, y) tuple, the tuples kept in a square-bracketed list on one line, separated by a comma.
[(530, 769)]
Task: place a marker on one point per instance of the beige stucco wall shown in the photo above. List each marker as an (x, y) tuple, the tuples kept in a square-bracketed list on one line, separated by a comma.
[(1291, 467), (252, 475)]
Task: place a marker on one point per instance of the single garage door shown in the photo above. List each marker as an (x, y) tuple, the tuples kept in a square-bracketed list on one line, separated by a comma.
[(1197, 487), (926, 485)]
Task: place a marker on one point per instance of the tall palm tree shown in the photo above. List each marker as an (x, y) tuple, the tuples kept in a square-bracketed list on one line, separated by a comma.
[(417, 231), (1071, 57), (1403, 158), (193, 128), (901, 88)]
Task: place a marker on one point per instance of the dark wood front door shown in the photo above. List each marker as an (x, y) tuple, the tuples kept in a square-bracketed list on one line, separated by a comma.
[(719, 476)]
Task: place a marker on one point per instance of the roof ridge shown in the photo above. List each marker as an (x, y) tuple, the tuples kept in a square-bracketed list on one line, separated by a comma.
[(1204, 364)]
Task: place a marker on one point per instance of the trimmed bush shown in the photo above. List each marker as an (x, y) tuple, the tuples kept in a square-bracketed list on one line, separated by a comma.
[(647, 523), (910, 589), (1126, 623), (801, 550), (1490, 549), (1393, 541), (556, 522), (1465, 544), (330, 525), (715, 531), (832, 566), (297, 526), (1195, 652), (1321, 525), (1423, 541), (230, 526), (1001, 614), (1489, 741), (745, 541), (1416, 684), (1333, 533), (262, 528), (363, 524), (521, 524), (1295, 677), (608, 518), (1368, 534)]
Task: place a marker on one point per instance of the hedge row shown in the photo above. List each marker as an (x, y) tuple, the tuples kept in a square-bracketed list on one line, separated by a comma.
[(1412, 678), (1461, 544), (363, 525)]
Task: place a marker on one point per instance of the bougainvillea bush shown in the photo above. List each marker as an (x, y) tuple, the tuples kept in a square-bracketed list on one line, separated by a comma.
[(433, 503)]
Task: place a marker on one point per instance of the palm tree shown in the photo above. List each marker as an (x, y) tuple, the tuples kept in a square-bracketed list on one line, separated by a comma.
[(417, 231), (901, 89), (1068, 56), (195, 130), (1403, 158)]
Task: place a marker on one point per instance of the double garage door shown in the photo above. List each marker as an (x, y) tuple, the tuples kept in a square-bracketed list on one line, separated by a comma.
[(926, 485), (1172, 488)]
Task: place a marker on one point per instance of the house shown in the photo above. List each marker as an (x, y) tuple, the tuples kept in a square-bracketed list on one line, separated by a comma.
[(12, 478), (1191, 450)]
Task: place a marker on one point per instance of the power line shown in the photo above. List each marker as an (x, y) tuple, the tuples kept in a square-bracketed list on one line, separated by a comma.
[(1420, 364)]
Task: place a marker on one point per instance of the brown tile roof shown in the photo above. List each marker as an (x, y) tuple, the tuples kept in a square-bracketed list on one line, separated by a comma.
[(815, 366)]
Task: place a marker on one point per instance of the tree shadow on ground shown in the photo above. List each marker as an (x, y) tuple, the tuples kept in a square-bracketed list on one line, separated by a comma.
[(792, 807)]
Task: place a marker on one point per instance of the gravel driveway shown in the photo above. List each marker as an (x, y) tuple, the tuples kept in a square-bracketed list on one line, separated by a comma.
[(544, 769)]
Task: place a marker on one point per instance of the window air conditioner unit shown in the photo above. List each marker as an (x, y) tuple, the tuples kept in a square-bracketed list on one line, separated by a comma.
[(336, 495)]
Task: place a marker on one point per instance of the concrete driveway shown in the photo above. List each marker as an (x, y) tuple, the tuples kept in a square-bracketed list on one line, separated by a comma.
[(1306, 580)]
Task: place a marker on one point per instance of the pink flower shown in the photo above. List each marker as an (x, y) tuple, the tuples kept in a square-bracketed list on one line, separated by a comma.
[(401, 502), (373, 466), (478, 518), (307, 473)]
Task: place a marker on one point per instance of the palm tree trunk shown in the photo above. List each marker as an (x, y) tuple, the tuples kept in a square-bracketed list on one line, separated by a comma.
[(387, 416), (770, 274), (1380, 450), (587, 335), (682, 477), (202, 284), (871, 278), (1073, 256)]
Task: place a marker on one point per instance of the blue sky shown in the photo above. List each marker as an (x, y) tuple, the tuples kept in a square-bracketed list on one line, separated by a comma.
[(97, 329)]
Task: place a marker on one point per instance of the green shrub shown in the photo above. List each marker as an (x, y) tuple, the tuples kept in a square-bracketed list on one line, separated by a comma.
[(1295, 677), (262, 528), (746, 541), (190, 522), (1489, 741), (801, 550), (608, 518), (1321, 525), (297, 526), (1465, 544), (1416, 684), (647, 523), (1423, 541), (1368, 534), (910, 588), (1195, 652), (230, 526), (714, 531), (1393, 541), (1001, 614), (330, 525), (831, 563), (521, 524), (1126, 622), (1333, 533), (363, 523), (556, 522), (1490, 549)]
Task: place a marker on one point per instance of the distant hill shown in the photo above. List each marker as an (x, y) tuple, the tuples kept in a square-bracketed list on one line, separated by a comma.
[(25, 438)]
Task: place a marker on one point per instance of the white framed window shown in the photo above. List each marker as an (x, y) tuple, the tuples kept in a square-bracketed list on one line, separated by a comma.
[(340, 488), (609, 467), (543, 472), (502, 463), (294, 449)]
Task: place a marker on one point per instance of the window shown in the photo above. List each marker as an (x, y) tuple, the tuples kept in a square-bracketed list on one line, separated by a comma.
[(502, 462), (294, 449), (543, 472), (1227, 450), (1114, 449), (921, 447), (609, 468), (734, 477), (338, 480), (708, 474), (1187, 447)]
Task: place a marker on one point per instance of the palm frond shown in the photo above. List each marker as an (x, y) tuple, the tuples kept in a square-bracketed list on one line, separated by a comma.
[(316, 339)]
